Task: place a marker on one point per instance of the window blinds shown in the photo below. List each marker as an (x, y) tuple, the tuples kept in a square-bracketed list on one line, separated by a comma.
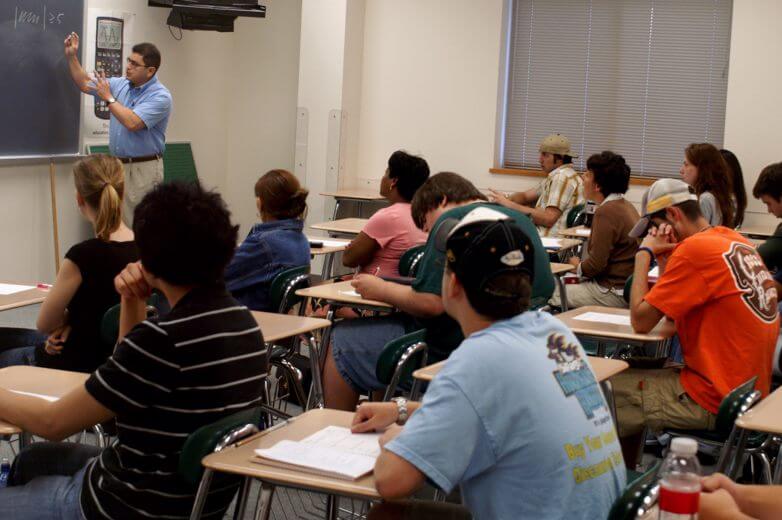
[(643, 78)]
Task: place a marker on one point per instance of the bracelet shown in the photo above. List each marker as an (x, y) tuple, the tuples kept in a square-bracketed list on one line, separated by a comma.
[(648, 250)]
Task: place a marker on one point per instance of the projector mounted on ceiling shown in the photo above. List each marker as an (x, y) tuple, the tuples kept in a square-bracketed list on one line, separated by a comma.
[(209, 15)]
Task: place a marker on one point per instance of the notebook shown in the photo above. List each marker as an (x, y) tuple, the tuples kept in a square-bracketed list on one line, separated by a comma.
[(332, 452)]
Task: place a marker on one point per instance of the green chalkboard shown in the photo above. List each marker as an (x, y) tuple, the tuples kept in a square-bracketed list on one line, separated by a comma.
[(178, 162)]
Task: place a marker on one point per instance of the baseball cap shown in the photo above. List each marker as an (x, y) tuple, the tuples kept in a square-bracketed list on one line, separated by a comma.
[(664, 193), (482, 245), (557, 144)]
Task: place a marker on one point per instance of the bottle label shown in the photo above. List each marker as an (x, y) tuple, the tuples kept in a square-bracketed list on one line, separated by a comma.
[(678, 502)]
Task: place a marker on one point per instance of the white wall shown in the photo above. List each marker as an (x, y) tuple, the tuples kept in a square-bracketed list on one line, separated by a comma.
[(234, 98), (431, 76)]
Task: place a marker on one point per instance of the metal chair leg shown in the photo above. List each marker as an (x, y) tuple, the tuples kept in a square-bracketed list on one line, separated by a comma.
[(241, 500), (765, 467), (738, 459), (263, 510), (316, 387), (778, 468), (201, 494), (332, 507)]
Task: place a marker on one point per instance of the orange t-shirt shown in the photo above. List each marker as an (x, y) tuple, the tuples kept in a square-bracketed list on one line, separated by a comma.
[(724, 302)]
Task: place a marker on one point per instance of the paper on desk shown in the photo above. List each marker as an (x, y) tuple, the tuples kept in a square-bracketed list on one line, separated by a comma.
[(551, 243), (354, 294), (10, 288), (342, 439), (333, 243), (40, 396), (654, 272), (583, 232), (602, 317)]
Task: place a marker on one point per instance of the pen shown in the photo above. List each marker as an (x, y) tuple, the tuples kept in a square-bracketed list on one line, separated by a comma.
[(44, 286)]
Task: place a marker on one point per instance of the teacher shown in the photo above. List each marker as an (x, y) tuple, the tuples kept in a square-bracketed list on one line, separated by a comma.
[(140, 107)]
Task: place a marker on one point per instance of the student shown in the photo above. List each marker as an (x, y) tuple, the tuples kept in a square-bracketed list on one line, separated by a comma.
[(275, 244), (723, 499), (610, 250), (356, 344), (706, 171), (737, 182), (204, 361), (515, 417), (390, 231), (72, 312), (556, 195), (722, 299), (768, 189)]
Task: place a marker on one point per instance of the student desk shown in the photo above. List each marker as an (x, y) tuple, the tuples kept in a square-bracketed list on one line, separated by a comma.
[(757, 231), (236, 459), (558, 245), (37, 380), (331, 246), (275, 327), (766, 416), (22, 298), (357, 195), (623, 332), (579, 232), (344, 226), (559, 270)]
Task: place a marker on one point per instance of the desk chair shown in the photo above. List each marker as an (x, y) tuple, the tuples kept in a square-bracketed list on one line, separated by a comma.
[(576, 216), (398, 360), (213, 438), (409, 260), (109, 324), (638, 497)]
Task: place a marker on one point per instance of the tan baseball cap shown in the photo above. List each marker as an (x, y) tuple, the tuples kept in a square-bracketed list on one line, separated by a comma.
[(557, 144), (664, 193)]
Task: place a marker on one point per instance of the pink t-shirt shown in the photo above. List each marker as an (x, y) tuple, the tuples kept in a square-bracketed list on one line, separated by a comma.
[(394, 230)]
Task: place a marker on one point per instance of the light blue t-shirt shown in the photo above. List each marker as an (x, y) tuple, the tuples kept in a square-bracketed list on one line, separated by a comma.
[(517, 419), (151, 102)]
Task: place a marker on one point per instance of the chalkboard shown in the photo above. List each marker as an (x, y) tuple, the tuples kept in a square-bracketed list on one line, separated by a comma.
[(39, 103)]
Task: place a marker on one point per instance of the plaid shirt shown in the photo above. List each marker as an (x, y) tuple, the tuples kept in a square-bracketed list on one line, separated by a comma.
[(562, 189)]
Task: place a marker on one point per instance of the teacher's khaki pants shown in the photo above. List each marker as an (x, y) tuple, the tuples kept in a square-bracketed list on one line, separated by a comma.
[(140, 178)]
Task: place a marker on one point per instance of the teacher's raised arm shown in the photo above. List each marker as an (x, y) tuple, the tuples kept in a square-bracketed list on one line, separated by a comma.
[(79, 75)]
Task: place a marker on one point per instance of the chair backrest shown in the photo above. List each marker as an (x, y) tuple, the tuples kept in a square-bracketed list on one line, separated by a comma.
[(638, 496), (736, 402), (391, 354), (208, 439), (628, 285), (284, 286), (109, 324), (409, 260), (573, 215)]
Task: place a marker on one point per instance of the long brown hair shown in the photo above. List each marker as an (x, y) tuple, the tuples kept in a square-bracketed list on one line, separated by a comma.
[(713, 176), (100, 180), (281, 194)]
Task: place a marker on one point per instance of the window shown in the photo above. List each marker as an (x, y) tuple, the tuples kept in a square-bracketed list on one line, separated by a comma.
[(643, 78)]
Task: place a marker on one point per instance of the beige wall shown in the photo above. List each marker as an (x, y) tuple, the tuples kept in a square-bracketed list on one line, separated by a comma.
[(234, 98)]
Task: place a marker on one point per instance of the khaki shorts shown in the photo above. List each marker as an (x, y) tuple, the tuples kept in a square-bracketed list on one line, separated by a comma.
[(655, 398)]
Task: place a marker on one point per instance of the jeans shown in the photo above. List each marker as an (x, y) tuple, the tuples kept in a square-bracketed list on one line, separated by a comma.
[(46, 481), (17, 346)]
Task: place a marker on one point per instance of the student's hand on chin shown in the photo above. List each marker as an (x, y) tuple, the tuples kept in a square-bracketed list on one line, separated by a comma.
[(372, 417), (131, 282), (660, 240)]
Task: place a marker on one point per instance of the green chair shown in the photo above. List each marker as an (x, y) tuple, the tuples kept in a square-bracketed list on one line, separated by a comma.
[(638, 497), (628, 286), (109, 324), (575, 216), (210, 439), (398, 360), (409, 260)]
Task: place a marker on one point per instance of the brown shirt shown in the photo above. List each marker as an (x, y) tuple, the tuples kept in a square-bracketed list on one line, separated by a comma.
[(610, 250)]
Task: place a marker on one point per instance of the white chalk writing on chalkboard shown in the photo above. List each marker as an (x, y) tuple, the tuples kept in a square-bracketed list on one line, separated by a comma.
[(29, 17)]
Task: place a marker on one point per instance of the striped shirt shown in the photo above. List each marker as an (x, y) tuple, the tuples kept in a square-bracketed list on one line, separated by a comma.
[(562, 189), (203, 361)]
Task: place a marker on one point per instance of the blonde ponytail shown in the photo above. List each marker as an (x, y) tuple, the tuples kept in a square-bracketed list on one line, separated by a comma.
[(100, 180)]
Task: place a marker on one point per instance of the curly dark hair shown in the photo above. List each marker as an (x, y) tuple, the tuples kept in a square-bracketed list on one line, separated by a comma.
[(769, 182), (410, 172), (611, 172), (184, 234)]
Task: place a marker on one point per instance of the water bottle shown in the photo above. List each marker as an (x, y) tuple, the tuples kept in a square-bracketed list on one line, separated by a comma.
[(5, 471), (680, 481)]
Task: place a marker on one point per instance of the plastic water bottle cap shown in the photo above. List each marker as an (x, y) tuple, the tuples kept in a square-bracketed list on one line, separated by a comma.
[(684, 446)]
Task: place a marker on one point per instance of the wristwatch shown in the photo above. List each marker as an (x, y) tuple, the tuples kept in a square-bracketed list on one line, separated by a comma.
[(401, 407), (110, 101)]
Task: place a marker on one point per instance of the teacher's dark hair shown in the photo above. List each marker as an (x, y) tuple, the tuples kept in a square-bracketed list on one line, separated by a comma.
[(184, 234), (150, 53)]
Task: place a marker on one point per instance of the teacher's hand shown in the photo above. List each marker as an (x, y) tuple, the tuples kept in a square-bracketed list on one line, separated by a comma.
[(72, 44), (102, 87)]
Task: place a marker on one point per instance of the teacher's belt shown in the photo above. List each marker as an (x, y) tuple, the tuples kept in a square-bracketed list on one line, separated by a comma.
[(145, 158)]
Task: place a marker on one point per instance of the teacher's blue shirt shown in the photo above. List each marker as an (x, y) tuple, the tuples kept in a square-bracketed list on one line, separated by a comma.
[(152, 103)]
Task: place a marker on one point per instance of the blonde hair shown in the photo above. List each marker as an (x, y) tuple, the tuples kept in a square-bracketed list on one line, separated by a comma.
[(100, 180)]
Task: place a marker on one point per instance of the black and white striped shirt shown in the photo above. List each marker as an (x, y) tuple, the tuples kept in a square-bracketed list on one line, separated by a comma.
[(203, 361)]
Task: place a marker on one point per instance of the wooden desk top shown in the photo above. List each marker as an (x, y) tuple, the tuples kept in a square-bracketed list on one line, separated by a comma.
[(350, 226), (604, 368), (236, 459), (354, 193), (340, 292), (757, 231), (581, 232), (275, 327), (37, 380), (661, 332), (23, 298), (558, 269), (766, 416), (328, 249)]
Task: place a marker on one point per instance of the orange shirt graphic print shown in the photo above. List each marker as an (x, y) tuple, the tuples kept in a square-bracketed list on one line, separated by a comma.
[(753, 279)]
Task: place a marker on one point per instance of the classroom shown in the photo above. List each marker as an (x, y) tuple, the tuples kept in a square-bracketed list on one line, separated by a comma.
[(393, 147)]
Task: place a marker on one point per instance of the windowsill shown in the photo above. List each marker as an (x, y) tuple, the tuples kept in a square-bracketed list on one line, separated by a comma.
[(634, 181)]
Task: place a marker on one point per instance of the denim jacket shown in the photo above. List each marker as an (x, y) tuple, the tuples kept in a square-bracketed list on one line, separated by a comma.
[(269, 249)]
